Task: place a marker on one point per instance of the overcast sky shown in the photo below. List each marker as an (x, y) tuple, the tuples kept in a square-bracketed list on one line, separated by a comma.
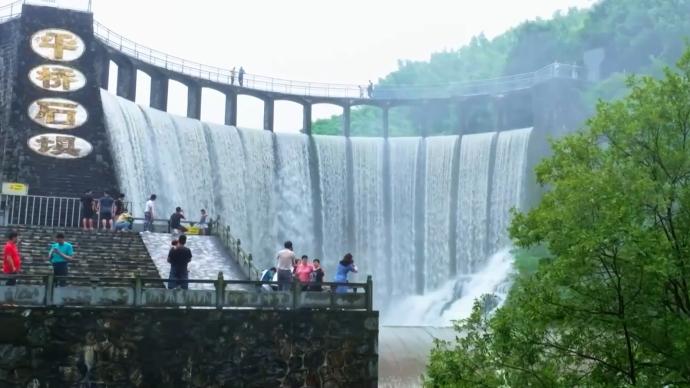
[(312, 40)]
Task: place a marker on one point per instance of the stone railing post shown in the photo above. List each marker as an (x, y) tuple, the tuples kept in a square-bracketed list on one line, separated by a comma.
[(49, 284), (138, 288), (220, 291), (370, 293), (296, 288)]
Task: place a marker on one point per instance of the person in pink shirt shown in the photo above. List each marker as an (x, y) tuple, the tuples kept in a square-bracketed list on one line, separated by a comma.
[(303, 272)]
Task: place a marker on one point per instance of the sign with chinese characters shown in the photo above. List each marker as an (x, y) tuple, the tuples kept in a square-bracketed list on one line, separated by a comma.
[(57, 113), (60, 146), (13, 188), (57, 45), (57, 78)]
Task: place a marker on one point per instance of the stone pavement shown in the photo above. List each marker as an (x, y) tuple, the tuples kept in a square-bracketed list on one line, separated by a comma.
[(208, 258)]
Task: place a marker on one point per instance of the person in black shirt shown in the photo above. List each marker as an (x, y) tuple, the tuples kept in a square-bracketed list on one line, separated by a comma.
[(175, 220), (316, 277), (87, 204), (179, 257), (119, 205)]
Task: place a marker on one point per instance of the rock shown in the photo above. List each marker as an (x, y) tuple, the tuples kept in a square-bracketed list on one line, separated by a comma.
[(13, 356)]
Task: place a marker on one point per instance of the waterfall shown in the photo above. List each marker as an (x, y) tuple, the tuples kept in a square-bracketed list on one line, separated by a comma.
[(260, 190), (228, 163), (260, 184), (294, 201), (473, 190), (331, 152), (507, 184), (403, 161), (439, 161), (367, 173)]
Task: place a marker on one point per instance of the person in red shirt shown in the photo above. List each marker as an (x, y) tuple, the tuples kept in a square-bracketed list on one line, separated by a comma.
[(303, 271), (10, 257)]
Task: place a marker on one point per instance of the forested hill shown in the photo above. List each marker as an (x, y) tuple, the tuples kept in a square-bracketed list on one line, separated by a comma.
[(637, 36)]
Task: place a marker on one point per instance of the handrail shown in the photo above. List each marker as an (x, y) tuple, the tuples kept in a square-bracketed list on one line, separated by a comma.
[(318, 89), (234, 245), (44, 290), (11, 10)]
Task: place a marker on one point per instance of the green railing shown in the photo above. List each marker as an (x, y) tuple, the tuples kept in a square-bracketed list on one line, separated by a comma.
[(234, 245)]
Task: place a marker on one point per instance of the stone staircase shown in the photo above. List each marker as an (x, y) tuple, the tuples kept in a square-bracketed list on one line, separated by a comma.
[(97, 253)]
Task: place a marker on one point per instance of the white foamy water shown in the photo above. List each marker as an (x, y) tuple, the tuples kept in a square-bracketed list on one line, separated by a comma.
[(455, 298)]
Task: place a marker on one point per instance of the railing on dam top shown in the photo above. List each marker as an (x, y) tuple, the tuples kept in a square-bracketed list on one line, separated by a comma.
[(331, 90), (11, 10), (143, 293), (14, 9)]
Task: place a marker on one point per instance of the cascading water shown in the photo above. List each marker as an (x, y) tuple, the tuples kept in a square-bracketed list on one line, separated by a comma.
[(367, 173), (507, 184), (333, 181), (473, 189), (228, 163), (260, 184), (403, 161), (439, 161), (294, 202), (260, 190)]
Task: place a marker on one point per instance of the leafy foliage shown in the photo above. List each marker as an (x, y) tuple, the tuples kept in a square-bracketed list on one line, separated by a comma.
[(611, 306)]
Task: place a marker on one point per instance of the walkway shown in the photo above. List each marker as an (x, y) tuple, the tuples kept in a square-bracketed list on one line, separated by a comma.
[(208, 258)]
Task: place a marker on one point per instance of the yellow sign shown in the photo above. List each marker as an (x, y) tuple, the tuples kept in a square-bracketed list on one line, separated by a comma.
[(57, 45), (12, 188)]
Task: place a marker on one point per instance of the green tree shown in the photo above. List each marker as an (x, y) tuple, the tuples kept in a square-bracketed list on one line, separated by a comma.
[(611, 305)]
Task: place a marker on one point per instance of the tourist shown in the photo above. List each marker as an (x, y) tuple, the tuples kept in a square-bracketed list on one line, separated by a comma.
[(232, 75), (172, 248), (240, 76), (361, 91), (87, 204), (105, 210), (149, 213), (11, 264), (345, 266), (124, 222), (176, 221), (316, 276), (370, 89), (303, 272), (61, 252), (203, 222), (267, 276), (284, 261), (120, 205), (179, 257)]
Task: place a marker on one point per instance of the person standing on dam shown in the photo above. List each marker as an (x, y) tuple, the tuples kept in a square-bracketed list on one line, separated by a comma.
[(284, 260)]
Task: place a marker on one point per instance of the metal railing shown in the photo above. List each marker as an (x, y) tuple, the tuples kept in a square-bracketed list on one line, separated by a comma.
[(11, 10), (234, 245), (37, 210), (34, 290)]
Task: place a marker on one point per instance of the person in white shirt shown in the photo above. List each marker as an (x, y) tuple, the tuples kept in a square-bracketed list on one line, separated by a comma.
[(284, 259), (149, 213)]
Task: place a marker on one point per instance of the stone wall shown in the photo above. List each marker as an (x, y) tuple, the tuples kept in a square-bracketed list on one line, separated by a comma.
[(47, 175), (9, 31), (187, 348)]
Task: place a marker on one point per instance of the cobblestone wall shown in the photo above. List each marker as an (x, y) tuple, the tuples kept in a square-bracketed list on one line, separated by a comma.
[(187, 348), (9, 32)]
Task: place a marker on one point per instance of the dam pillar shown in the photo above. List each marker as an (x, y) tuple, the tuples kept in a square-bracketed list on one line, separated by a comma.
[(102, 63), (158, 98), (193, 101), (231, 108), (346, 120), (126, 80), (498, 104), (306, 117), (269, 106)]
